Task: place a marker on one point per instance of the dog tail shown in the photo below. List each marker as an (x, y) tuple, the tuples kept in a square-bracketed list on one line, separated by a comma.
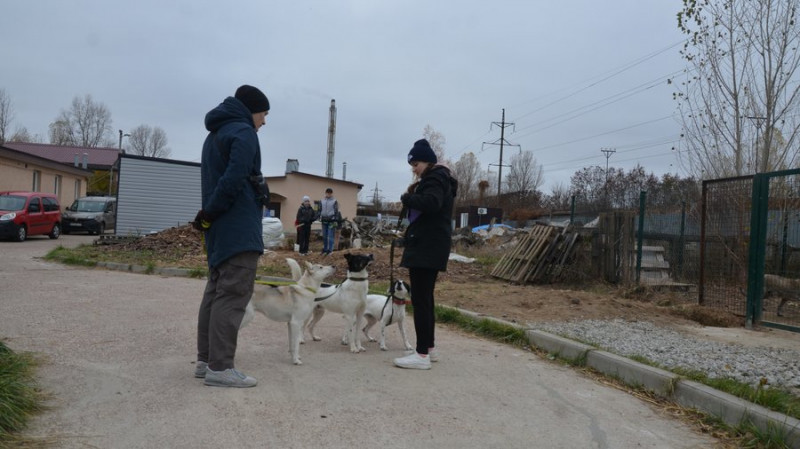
[(297, 272)]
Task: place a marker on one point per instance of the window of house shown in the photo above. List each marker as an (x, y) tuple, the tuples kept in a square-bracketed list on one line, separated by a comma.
[(77, 189), (57, 186), (37, 181)]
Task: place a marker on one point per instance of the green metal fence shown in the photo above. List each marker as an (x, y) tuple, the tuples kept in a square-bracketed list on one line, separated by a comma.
[(750, 248)]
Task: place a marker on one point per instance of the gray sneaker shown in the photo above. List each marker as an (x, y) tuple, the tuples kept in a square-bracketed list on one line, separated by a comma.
[(231, 377), (200, 369)]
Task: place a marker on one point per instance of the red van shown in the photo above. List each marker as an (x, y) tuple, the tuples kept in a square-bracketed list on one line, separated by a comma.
[(29, 213)]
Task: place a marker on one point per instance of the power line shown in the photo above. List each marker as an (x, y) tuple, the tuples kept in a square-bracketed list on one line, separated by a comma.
[(604, 77)]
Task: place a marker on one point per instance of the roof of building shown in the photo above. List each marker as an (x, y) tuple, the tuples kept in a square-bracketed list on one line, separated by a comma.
[(66, 154), (338, 181), (42, 161)]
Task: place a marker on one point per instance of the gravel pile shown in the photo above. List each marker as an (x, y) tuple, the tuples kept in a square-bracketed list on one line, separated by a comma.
[(670, 349)]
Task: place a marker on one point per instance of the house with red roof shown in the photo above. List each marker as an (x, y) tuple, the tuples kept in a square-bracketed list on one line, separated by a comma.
[(99, 163), (20, 170)]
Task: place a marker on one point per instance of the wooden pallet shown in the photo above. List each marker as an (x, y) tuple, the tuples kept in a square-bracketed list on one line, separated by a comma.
[(539, 257), (519, 264)]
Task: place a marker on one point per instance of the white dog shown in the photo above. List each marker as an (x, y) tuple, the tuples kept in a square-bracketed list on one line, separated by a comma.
[(290, 304), (388, 309), (348, 298)]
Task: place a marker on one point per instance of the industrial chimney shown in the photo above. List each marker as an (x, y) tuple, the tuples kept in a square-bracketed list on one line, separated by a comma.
[(331, 139)]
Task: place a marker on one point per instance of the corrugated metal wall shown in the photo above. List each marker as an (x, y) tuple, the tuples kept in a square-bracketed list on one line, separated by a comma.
[(156, 194)]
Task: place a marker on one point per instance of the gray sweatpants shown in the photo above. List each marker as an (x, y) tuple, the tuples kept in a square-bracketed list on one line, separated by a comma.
[(225, 298)]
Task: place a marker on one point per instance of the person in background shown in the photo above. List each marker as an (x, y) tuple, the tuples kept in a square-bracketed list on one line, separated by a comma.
[(427, 240), (233, 197), (305, 216), (328, 214)]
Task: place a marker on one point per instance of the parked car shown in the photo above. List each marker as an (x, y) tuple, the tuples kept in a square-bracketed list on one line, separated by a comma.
[(29, 213), (92, 214)]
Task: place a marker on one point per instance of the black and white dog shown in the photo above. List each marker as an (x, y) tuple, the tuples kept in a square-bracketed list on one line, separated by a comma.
[(388, 309), (348, 298)]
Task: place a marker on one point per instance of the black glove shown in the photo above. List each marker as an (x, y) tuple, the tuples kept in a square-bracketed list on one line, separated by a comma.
[(202, 221), (399, 243), (261, 188)]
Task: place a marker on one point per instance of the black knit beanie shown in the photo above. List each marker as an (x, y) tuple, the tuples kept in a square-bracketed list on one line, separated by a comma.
[(422, 152), (254, 99)]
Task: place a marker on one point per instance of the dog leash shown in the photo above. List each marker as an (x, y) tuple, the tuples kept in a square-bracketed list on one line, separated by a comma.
[(276, 284), (391, 273)]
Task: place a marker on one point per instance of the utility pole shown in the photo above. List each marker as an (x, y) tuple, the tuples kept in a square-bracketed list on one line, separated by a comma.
[(608, 152), (765, 156), (121, 135), (376, 196), (502, 142)]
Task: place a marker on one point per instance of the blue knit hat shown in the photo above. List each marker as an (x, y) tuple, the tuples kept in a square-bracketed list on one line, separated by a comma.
[(422, 152)]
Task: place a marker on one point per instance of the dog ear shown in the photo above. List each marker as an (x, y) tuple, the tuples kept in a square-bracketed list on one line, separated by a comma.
[(308, 265)]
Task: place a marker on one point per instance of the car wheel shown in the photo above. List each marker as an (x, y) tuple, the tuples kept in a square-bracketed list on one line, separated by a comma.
[(56, 232), (22, 233)]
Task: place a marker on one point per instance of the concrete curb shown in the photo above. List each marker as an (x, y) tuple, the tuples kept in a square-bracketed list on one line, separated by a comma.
[(730, 409)]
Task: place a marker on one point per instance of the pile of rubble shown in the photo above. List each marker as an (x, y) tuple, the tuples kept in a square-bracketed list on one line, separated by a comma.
[(365, 232)]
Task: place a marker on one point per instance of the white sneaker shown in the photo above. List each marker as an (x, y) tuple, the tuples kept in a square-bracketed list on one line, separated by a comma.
[(433, 354), (413, 361)]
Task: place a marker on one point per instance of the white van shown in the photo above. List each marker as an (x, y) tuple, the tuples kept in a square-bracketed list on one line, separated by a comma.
[(92, 214)]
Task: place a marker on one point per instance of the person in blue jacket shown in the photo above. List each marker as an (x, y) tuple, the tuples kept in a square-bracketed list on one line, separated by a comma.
[(427, 240), (233, 196)]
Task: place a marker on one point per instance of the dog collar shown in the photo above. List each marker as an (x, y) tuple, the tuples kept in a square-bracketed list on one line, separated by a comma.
[(326, 297), (357, 279), (399, 302)]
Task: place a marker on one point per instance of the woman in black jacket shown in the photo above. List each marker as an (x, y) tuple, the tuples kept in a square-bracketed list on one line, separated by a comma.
[(429, 203), (305, 216)]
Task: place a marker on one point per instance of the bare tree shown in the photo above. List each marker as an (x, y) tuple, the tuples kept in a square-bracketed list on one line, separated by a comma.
[(6, 115), (437, 141), (559, 197), (60, 133), (742, 89), (23, 135), (468, 171), (525, 174), (589, 186), (86, 124), (147, 141)]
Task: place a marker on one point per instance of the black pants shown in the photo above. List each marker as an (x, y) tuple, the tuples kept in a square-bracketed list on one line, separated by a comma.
[(423, 282), (227, 293), (303, 236)]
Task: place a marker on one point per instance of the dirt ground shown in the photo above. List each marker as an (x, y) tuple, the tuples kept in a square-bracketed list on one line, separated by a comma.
[(470, 286)]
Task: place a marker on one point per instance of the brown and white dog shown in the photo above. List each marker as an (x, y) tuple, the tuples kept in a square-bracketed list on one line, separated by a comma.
[(788, 289), (388, 309), (290, 304)]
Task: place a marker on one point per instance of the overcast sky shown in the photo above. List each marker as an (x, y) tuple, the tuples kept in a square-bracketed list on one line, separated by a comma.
[(574, 77)]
